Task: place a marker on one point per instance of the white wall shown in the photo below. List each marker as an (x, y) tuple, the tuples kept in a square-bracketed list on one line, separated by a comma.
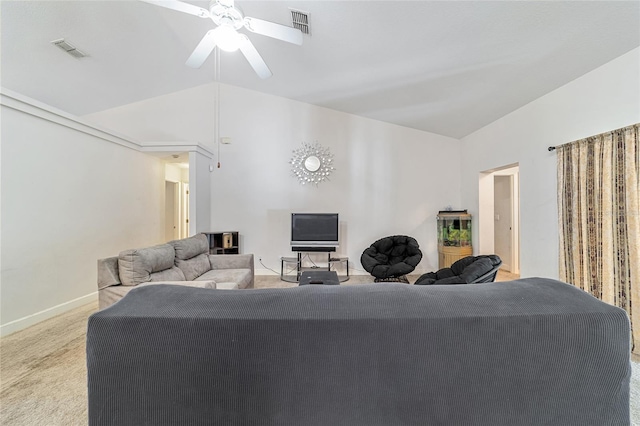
[(199, 193), (605, 99), (187, 115), (173, 173), (388, 179), (70, 196)]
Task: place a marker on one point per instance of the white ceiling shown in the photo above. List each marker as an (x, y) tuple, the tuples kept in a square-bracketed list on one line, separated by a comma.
[(447, 67)]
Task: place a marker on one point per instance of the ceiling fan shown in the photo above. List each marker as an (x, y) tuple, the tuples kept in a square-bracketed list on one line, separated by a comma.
[(229, 19)]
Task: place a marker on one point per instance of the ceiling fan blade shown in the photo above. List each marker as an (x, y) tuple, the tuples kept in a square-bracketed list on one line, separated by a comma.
[(270, 29), (180, 7), (202, 50), (253, 57)]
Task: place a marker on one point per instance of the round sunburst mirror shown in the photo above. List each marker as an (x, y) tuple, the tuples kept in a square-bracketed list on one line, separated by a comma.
[(312, 163)]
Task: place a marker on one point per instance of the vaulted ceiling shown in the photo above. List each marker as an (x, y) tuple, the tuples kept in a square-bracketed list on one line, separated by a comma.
[(447, 67)]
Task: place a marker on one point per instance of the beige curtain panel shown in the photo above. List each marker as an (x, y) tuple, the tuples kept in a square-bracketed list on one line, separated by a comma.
[(599, 219)]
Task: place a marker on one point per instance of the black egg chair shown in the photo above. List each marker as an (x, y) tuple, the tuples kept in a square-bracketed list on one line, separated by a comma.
[(468, 270), (390, 259)]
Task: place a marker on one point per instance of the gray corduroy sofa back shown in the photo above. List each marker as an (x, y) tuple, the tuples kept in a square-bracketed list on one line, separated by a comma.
[(527, 352)]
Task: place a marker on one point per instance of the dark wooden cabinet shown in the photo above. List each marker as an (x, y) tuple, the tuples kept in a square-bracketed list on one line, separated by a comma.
[(223, 242)]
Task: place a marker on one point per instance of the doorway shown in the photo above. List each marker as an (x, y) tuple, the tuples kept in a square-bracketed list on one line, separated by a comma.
[(499, 215), (176, 200), (184, 210), (171, 203), (503, 219)]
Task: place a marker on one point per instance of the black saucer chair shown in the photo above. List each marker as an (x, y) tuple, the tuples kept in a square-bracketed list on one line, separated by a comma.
[(390, 259), (468, 270)]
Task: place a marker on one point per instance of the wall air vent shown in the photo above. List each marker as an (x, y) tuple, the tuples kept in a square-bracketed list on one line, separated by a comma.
[(69, 48), (300, 20)]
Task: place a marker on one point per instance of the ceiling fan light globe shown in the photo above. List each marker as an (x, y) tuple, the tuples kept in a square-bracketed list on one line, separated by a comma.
[(227, 39)]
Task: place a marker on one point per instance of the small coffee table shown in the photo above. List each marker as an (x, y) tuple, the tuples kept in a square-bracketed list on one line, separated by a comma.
[(319, 277)]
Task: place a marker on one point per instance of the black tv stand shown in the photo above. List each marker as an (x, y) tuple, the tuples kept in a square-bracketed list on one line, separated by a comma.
[(313, 249), (298, 268)]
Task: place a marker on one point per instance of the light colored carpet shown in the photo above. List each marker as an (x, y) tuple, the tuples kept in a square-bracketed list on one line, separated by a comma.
[(634, 394), (43, 374), (43, 369)]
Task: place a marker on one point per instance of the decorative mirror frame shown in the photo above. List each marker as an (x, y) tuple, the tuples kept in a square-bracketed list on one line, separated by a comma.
[(312, 163)]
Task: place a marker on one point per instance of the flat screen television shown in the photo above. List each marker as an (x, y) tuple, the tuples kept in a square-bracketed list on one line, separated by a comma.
[(314, 229)]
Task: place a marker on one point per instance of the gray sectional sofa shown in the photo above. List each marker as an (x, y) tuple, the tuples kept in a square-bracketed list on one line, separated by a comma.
[(184, 262), (529, 352)]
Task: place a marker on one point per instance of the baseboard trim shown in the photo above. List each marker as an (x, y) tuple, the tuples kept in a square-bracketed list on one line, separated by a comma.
[(29, 320), (263, 271)]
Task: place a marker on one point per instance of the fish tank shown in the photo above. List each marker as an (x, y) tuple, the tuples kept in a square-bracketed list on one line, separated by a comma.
[(454, 228)]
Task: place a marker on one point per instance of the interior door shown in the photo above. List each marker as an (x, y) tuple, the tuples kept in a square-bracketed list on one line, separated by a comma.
[(171, 214), (184, 210), (503, 219)]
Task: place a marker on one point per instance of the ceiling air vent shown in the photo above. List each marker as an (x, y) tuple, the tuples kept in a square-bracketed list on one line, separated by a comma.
[(69, 48), (300, 20)]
